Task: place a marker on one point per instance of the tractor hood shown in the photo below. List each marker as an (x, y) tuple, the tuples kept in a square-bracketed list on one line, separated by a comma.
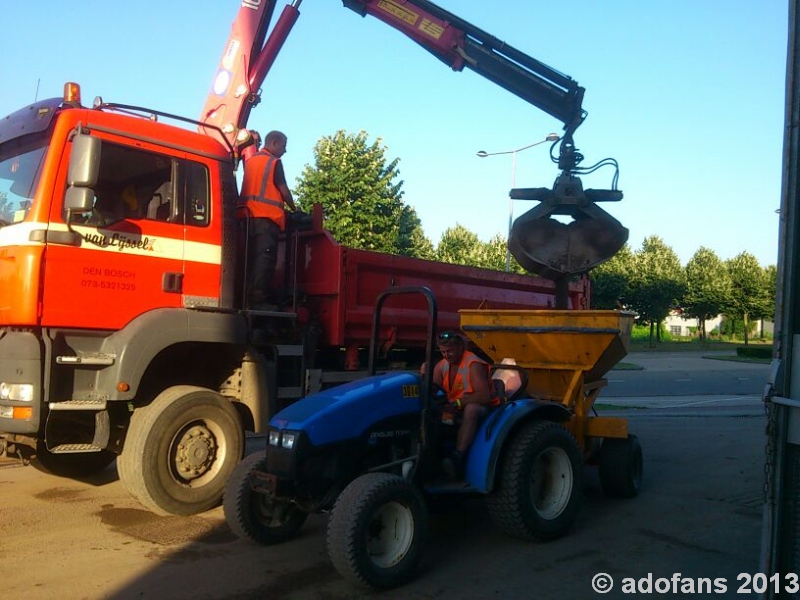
[(348, 411)]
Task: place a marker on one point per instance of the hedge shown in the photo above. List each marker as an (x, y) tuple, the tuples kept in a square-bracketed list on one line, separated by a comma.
[(754, 351)]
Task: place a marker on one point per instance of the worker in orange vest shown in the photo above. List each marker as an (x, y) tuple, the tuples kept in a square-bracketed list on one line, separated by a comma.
[(264, 194), (464, 377)]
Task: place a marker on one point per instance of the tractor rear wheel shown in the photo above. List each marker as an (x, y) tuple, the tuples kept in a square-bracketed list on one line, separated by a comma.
[(257, 516), (180, 450), (377, 530), (540, 487), (621, 466)]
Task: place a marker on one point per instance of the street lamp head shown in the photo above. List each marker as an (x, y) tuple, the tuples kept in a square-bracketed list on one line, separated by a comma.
[(552, 137), (482, 153)]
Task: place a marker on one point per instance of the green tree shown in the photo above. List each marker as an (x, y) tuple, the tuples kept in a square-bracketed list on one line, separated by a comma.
[(708, 287), (458, 245), (493, 254), (411, 239), (610, 280), (362, 198), (749, 294), (767, 312), (657, 283)]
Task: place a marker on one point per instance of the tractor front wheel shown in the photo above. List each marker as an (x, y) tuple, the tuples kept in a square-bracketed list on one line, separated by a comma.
[(377, 530), (257, 516)]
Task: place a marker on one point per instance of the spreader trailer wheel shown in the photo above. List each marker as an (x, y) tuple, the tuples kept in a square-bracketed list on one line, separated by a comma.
[(621, 466)]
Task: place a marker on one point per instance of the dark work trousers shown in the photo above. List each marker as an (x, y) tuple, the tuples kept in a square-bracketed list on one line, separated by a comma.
[(263, 256)]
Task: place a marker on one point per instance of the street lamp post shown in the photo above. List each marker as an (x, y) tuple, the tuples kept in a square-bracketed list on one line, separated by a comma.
[(551, 137)]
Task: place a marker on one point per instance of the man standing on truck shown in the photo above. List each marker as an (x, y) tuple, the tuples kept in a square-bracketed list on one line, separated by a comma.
[(264, 193), (464, 377)]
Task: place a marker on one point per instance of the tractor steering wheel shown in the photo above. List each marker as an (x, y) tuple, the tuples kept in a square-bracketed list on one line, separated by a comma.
[(438, 395)]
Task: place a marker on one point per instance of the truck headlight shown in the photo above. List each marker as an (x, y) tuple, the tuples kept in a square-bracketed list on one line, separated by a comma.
[(18, 392), (274, 437)]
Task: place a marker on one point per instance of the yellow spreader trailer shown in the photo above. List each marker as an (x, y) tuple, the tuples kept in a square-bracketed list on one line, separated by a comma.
[(563, 356)]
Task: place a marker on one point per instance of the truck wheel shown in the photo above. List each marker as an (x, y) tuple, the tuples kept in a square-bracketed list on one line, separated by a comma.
[(256, 516), (377, 530), (620, 466), (180, 451), (72, 465), (540, 487)]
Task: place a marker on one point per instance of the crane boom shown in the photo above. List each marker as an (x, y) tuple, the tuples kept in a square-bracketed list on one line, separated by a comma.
[(247, 58), (244, 65), (540, 243), (460, 44)]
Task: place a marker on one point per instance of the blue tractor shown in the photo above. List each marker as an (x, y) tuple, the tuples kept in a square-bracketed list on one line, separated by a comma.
[(371, 452)]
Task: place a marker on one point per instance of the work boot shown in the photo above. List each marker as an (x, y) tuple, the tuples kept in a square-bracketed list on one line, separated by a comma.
[(448, 471), (459, 468), (260, 301)]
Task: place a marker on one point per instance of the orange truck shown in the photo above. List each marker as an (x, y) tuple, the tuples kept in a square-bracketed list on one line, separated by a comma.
[(122, 330)]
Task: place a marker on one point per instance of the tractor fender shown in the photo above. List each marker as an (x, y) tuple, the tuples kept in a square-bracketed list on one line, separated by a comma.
[(497, 429)]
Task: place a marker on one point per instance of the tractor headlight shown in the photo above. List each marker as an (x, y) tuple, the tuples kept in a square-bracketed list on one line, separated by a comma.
[(18, 392), (282, 439), (288, 439)]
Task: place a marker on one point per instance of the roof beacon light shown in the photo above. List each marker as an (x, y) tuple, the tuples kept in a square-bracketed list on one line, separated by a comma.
[(72, 93)]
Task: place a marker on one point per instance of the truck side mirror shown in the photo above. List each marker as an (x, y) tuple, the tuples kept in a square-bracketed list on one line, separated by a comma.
[(84, 166), (78, 199), (84, 162)]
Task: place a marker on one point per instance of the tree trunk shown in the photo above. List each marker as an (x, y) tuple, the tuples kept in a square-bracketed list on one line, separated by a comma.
[(652, 343), (746, 322)]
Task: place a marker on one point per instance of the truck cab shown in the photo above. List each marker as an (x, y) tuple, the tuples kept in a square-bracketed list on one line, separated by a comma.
[(113, 223)]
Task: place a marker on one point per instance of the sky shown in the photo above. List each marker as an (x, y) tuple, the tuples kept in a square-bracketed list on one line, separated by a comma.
[(687, 96)]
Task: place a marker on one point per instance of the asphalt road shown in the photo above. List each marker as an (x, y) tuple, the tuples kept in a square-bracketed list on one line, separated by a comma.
[(684, 374), (698, 516)]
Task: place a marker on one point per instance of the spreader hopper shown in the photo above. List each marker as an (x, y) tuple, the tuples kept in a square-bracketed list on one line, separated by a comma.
[(564, 352)]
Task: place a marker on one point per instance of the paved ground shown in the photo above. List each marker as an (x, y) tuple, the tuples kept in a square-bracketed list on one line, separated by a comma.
[(698, 515)]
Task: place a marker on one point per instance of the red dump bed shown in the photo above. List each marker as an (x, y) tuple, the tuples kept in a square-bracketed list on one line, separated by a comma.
[(341, 286)]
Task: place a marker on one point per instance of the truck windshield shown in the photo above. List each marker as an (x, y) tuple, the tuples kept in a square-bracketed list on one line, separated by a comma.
[(20, 166)]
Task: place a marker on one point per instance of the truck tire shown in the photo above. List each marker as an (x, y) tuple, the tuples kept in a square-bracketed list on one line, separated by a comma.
[(180, 450), (377, 531), (256, 516), (540, 485), (620, 466), (71, 465)]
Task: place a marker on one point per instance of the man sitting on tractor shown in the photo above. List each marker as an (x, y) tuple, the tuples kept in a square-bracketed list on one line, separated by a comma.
[(464, 378)]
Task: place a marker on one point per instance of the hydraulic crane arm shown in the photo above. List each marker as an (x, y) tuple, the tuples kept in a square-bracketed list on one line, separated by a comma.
[(247, 59), (538, 242), (245, 63), (460, 44)]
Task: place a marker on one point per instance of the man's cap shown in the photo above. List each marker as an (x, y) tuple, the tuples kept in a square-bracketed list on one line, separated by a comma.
[(450, 337)]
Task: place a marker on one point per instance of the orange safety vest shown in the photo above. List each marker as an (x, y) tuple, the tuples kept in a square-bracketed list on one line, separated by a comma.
[(462, 383), (259, 193)]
